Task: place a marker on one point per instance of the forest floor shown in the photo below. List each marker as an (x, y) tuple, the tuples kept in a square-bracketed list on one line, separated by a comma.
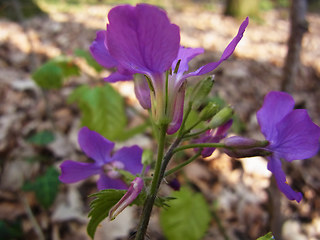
[(240, 187)]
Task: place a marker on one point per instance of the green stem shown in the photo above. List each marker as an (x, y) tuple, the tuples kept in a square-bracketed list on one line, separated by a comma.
[(193, 126), (177, 168), (200, 145), (148, 204), (196, 133), (181, 131)]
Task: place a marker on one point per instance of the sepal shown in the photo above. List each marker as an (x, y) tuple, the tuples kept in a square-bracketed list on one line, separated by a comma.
[(201, 91), (223, 116)]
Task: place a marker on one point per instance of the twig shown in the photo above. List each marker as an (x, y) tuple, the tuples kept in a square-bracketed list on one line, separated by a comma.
[(32, 218)]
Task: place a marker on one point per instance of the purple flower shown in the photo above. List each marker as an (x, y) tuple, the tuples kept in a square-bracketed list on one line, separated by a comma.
[(213, 136), (291, 133), (106, 165), (142, 40)]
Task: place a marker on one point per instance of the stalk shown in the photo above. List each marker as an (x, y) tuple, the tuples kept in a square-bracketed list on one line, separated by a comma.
[(148, 204)]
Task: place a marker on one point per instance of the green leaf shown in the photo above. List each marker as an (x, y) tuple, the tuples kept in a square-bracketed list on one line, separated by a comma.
[(187, 218), (10, 230), (106, 199), (103, 111), (268, 236), (159, 202), (52, 74), (45, 187), (100, 207), (48, 76), (41, 138), (67, 65), (89, 59)]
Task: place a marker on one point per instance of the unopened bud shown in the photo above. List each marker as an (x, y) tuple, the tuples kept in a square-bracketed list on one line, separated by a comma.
[(174, 184), (201, 91), (241, 142), (246, 152), (224, 115), (209, 111)]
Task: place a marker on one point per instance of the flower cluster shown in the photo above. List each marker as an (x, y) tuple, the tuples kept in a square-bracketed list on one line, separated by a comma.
[(142, 40)]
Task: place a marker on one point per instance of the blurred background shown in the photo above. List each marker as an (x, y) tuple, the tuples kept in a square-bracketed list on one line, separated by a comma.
[(50, 86)]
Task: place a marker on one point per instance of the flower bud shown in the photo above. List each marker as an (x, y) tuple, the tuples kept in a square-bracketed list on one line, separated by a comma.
[(246, 152), (174, 184), (209, 111), (200, 91), (224, 115), (132, 193), (242, 142)]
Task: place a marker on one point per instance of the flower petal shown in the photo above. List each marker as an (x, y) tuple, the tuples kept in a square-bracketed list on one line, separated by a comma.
[(142, 38), (95, 146), (117, 76), (185, 55), (275, 107), (100, 52), (72, 171), (130, 157), (225, 55), (142, 91), (274, 165), (298, 136), (223, 129), (105, 182)]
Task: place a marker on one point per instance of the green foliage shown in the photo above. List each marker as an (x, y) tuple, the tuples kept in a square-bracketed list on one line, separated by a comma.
[(187, 218), (45, 187), (10, 231), (52, 74), (103, 111), (41, 138), (89, 59), (48, 76), (159, 202), (106, 199), (100, 207), (268, 236), (68, 67), (242, 8), (266, 5)]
